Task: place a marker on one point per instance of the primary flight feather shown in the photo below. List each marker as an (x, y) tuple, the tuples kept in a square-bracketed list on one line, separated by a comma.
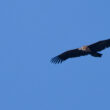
[(92, 49)]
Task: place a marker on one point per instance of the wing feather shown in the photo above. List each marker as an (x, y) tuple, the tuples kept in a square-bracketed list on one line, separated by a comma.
[(68, 54), (101, 45)]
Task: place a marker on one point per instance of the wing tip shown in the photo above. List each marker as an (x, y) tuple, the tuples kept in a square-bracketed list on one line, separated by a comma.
[(56, 60)]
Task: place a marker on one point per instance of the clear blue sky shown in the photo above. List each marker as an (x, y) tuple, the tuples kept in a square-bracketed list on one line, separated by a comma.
[(33, 31)]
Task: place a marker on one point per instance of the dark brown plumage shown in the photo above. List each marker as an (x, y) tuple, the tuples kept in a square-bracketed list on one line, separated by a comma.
[(92, 49)]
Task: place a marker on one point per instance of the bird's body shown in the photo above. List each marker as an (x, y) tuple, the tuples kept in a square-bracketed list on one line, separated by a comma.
[(92, 50)]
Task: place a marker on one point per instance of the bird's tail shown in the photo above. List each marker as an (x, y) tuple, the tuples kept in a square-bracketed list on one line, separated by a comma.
[(96, 54)]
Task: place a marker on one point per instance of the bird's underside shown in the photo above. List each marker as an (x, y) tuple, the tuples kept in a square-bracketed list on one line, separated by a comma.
[(92, 50)]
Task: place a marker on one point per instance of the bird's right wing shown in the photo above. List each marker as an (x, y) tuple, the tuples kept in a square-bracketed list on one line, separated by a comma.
[(68, 54)]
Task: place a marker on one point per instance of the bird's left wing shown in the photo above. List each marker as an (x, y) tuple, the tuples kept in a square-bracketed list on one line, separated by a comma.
[(68, 54), (101, 45)]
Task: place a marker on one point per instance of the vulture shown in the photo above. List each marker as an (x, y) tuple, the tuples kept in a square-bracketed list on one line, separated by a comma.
[(92, 50)]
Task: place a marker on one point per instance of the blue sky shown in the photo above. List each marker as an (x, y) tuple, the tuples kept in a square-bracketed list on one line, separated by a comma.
[(34, 31)]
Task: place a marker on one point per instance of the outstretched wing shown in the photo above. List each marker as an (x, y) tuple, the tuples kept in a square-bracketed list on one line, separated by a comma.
[(101, 45), (68, 54)]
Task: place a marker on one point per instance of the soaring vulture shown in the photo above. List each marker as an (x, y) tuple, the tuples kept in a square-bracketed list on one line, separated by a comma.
[(92, 50)]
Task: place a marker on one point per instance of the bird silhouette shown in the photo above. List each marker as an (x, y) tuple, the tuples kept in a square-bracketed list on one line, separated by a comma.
[(92, 50)]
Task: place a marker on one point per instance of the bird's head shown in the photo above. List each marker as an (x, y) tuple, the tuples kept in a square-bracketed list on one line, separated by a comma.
[(85, 48)]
